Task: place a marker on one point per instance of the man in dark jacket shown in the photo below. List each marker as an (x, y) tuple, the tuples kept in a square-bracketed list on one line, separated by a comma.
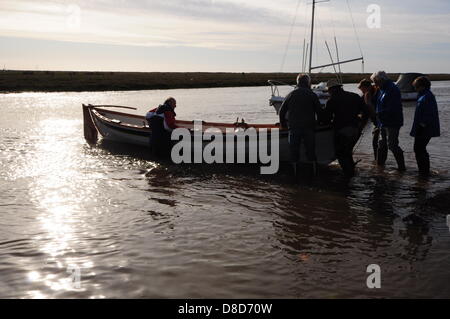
[(390, 118), (426, 123), (162, 122), (349, 112), (299, 113)]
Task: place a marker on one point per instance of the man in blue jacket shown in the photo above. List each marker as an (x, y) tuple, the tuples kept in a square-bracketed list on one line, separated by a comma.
[(426, 123), (389, 111)]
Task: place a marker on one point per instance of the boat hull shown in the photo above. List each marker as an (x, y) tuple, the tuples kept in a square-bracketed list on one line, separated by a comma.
[(409, 96), (132, 129)]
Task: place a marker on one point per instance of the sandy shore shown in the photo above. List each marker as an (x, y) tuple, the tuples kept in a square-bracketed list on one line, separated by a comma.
[(60, 81)]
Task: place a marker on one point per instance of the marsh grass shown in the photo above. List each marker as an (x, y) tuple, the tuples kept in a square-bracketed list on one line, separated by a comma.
[(59, 81)]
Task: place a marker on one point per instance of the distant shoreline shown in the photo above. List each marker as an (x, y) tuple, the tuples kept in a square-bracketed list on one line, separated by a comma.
[(65, 81)]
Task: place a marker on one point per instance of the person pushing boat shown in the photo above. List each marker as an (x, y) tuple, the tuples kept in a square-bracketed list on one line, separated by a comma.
[(349, 113), (299, 113)]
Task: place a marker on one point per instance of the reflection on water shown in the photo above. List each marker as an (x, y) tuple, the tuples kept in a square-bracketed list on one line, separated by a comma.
[(136, 228), (58, 201)]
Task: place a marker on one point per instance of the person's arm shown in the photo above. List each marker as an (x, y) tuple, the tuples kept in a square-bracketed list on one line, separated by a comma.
[(321, 115), (328, 112), (170, 119), (317, 106), (370, 101), (283, 111), (365, 110)]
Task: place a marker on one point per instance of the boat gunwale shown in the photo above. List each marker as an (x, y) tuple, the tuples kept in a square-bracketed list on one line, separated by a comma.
[(189, 124)]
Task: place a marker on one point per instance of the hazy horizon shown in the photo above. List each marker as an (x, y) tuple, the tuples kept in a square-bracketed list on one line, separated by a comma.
[(220, 35), (237, 72)]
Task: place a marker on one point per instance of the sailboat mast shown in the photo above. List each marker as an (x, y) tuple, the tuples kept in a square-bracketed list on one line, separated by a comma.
[(312, 36)]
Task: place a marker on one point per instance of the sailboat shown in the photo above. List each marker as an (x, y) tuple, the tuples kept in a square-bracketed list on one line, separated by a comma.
[(407, 90), (276, 100), (324, 133)]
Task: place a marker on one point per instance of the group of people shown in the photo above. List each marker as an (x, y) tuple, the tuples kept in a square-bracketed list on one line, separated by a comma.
[(348, 112)]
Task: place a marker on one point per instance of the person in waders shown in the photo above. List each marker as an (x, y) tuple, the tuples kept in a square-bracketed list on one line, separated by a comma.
[(390, 119), (426, 124)]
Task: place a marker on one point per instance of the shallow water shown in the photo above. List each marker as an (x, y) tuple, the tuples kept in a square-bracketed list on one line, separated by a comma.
[(139, 229)]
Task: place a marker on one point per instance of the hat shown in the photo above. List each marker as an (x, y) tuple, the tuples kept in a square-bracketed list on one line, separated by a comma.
[(332, 83)]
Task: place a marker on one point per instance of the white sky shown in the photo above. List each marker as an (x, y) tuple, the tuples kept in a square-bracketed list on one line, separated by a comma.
[(218, 35)]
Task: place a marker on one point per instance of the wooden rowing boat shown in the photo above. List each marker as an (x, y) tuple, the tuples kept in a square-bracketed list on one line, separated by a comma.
[(133, 129)]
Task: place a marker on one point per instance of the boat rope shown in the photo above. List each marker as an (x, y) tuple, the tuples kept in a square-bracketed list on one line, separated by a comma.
[(290, 36)]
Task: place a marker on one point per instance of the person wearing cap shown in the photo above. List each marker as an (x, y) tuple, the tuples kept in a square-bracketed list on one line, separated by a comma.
[(389, 111), (162, 122), (299, 113), (426, 123), (348, 111), (370, 94)]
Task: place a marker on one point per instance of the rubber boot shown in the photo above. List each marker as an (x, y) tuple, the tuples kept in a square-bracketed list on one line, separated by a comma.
[(382, 155), (424, 165), (400, 158), (348, 166)]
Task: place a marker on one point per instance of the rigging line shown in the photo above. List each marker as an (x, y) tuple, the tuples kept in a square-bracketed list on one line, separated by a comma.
[(303, 56), (306, 31), (322, 31), (354, 28), (290, 36), (333, 23), (306, 58), (331, 58)]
